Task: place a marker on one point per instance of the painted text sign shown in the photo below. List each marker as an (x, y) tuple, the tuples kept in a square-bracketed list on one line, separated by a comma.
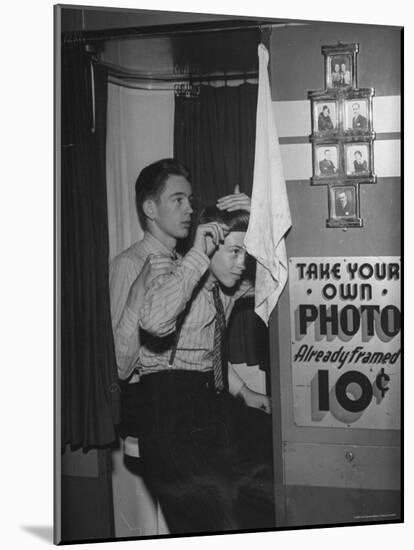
[(345, 341)]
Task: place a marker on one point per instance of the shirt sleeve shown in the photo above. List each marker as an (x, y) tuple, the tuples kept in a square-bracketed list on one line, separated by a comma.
[(168, 294), (235, 382), (122, 273)]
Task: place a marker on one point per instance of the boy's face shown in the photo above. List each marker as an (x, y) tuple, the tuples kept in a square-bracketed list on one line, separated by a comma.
[(228, 262), (172, 211)]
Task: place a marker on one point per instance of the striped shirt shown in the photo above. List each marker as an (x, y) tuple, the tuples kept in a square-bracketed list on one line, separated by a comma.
[(149, 351), (123, 271), (168, 296)]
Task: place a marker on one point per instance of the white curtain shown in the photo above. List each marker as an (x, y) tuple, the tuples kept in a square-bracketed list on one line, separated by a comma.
[(140, 130)]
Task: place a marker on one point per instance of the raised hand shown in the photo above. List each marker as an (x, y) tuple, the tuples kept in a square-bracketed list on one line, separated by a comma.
[(236, 201), (154, 265), (209, 236)]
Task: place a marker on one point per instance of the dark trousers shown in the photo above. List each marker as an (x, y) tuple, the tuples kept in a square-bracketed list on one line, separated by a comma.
[(207, 459)]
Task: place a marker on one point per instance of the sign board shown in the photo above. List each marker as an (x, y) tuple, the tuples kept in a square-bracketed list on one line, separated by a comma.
[(345, 341)]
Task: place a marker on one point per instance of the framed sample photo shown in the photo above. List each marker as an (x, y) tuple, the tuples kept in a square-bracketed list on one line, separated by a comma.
[(340, 66), (358, 159), (326, 161), (358, 114), (344, 206), (325, 117), (345, 203), (340, 71)]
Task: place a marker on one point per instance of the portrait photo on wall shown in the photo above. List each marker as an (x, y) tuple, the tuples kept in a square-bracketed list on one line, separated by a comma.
[(357, 159), (326, 161), (325, 117), (340, 74), (344, 202), (356, 115)]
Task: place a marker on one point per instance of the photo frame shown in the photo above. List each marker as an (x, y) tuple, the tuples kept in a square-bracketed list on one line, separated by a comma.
[(344, 209), (340, 66), (327, 162), (358, 159), (325, 116), (358, 112)]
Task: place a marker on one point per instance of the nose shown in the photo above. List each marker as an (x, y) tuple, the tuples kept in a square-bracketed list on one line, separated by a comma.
[(189, 208), (241, 260)]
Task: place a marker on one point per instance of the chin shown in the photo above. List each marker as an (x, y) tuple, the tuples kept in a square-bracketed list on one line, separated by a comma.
[(182, 233), (229, 282)]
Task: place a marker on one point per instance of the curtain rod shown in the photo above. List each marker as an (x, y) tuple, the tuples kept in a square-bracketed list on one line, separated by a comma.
[(83, 37), (122, 73)]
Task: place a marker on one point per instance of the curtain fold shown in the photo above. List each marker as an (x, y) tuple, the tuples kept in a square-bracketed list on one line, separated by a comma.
[(214, 136), (89, 386), (139, 131)]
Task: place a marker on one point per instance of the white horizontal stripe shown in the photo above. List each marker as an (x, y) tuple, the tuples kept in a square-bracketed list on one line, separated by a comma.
[(297, 159), (293, 118), (387, 158), (386, 112)]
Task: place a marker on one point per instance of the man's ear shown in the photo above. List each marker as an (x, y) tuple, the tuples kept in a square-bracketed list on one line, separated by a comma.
[(150, 208)]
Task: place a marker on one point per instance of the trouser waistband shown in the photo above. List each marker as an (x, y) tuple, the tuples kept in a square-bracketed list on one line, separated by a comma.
[(181, 378)]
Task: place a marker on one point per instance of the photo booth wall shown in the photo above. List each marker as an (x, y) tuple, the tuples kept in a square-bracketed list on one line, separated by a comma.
[(314, 462)]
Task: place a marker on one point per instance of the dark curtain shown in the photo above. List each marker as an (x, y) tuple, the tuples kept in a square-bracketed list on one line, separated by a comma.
[(89, 386), (214, 136)]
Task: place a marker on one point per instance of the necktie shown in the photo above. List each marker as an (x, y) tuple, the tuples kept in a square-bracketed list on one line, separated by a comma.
[(220, 344)]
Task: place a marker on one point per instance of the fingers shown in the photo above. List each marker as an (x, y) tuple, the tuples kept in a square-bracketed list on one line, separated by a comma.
[(266, 406), (209, 236), (216, 231), (236, 201), (160, 264), (154, 266), (262, 402)]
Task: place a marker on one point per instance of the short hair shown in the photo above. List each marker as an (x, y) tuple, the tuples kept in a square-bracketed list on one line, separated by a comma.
[(151, 182), (238, 220), (355, 105), (325, 107), (326, 151), (358, 152)]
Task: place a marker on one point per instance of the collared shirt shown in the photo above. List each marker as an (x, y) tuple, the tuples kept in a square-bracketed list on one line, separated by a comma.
[(147, 352), (184, 290), (123, 271)]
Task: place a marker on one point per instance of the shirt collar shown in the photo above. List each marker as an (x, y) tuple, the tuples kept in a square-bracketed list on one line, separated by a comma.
[(210, 284), (155, 246)]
